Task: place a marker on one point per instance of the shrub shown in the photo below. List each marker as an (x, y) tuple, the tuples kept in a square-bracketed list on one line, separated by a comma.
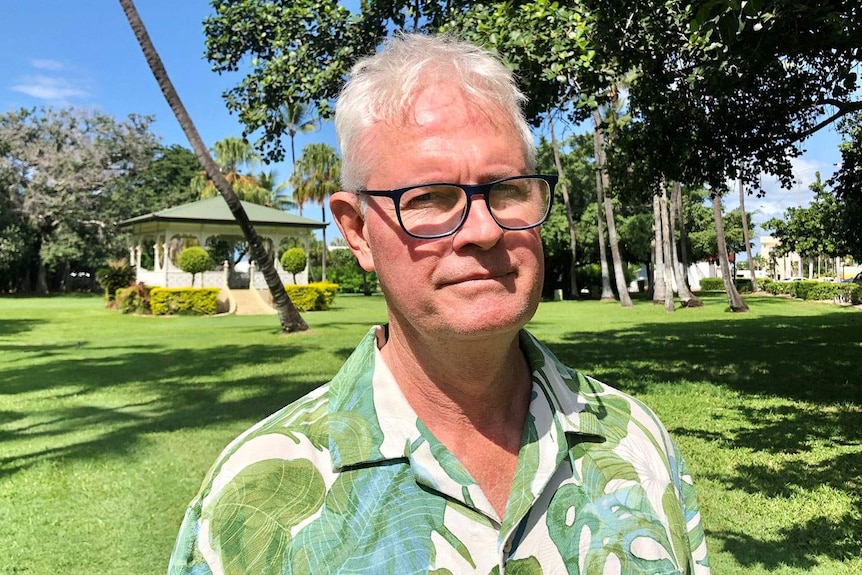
[(133, 299), (312, 297), (743, 285), (712, 284), (294, 261), (184, 301), (118, 274), (194, 260), (343, 269)]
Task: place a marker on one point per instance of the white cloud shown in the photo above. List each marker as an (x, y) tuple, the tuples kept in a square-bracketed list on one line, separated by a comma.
[(53, 65), (49, 88)]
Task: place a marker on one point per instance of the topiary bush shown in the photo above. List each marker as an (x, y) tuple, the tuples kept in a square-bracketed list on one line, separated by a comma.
[(184, 301), (195, 260), (294, 261), (117, 274), (312, 297)]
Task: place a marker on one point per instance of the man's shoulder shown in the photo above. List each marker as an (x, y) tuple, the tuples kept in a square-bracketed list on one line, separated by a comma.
[(592, 399)]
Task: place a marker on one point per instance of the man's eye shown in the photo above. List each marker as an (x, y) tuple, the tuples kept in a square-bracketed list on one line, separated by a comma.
[(431, 199)]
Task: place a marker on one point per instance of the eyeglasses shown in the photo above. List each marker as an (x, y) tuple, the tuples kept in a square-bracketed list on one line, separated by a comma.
[(430, 211)]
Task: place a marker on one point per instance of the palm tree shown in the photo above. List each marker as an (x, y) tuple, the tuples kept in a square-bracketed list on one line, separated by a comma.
[(316, 175), (570, 220), (746, 236), (733, 297), (602, 186), (230, 155), (287, 314), (277, 194), (298, 118)]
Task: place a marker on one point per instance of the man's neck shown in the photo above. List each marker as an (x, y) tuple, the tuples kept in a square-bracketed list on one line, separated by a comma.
[(473, 396)]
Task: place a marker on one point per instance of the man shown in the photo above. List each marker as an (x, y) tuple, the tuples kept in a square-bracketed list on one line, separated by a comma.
[(451, 441)]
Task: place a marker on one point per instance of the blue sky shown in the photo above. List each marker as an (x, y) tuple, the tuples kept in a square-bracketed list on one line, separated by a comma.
[(83, 53)]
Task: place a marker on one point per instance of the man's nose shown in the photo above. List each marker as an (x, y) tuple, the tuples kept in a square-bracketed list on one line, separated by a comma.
[(480, 228)]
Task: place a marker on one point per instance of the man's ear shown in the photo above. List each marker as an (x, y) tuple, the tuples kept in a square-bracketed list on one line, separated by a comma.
[(347, 213)]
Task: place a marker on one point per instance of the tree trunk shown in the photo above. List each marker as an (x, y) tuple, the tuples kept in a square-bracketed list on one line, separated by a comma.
[(746, 237), (733, 297), (659, 285), (683, 232), (666, 242), (619, 272), (287, 314), (324, 250), (570, 221), (687, 298)]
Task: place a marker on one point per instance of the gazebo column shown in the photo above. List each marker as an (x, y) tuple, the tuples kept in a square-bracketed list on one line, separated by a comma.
[(132, 259), (138, 251), (157, 263)]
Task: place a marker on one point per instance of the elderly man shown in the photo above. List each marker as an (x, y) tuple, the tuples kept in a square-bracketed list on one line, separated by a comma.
[(451, 441)]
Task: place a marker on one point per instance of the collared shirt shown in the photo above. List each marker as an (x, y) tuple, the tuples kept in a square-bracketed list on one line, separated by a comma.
[(349, 480)]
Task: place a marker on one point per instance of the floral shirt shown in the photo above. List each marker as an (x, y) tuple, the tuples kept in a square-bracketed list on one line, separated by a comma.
[(349, 480)]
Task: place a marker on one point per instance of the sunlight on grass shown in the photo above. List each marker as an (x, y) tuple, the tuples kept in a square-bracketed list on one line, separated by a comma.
[(108, 423)]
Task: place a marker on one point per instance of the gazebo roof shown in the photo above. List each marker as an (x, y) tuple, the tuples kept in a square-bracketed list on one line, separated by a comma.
[(214, 211)]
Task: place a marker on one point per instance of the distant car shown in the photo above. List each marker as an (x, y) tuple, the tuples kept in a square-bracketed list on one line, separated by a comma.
[(793, 279), (857, 279)]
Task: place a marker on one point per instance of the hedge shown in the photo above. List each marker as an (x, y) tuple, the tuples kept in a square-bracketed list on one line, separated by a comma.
[(184, 301), (712, 284), (743, 285), (814, 290), (316, 296)]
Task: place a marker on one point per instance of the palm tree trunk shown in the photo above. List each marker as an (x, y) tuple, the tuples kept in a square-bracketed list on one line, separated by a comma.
[(288, 316), (679, 213), (659, 285), (746, 236), (324, 250), (607, 292), (733, 297), (573, 236), (619, 272), (666, 241), (687, 298)]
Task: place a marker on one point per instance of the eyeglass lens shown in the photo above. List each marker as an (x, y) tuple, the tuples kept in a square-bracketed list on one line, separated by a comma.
[(429, 211)]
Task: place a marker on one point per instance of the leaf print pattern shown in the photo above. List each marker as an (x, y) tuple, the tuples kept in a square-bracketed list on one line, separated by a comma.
[(349, 480)]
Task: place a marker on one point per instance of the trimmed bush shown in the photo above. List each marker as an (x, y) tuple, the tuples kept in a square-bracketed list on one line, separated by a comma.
[(712, 284), (812, 290), (194, 260), (294, 261), (312, 297), (118, 274), (184, 301)]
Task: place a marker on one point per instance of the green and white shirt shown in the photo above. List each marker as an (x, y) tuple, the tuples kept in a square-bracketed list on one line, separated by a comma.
[(349, 480)]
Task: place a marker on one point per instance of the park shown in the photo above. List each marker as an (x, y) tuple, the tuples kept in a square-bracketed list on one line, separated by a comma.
[(156, 300), (109, 421)]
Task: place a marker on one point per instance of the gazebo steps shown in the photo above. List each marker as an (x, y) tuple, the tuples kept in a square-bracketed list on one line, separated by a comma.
[(250, 302)]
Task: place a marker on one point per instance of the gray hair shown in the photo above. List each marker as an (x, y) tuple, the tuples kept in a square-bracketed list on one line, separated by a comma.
[(380, 87)]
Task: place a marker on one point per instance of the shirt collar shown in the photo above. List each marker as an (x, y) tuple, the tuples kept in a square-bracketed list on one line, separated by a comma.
[(371, 421)]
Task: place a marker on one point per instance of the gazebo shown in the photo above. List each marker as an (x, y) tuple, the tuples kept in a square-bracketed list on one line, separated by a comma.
[(167, 231)]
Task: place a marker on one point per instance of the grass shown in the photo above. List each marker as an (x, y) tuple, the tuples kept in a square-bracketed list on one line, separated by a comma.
[(108, 422)]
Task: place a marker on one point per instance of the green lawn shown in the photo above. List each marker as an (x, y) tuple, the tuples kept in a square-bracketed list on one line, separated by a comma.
[(108, 422)]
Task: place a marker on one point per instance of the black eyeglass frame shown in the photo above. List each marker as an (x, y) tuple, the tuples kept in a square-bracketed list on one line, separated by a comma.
[(470, 190)]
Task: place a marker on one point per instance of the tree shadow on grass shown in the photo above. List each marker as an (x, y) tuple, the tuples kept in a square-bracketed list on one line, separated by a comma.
[(9, 327), (105, 405), (815, 362)]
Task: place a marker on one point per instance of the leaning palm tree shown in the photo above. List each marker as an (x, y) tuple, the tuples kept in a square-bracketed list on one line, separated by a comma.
[(288, 316), (316, 175)]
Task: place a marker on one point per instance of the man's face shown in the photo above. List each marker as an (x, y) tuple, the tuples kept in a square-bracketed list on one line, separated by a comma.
[(482, 280)]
